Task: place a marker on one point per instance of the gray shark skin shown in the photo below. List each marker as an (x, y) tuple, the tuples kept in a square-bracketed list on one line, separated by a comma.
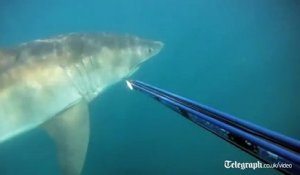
[(49, 83)]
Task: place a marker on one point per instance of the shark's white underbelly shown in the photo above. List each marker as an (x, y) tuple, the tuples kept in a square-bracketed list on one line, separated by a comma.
[(31, 96)]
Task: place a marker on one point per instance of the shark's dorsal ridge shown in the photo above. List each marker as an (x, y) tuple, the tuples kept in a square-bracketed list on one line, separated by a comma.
[(70, 131), (7, 59)]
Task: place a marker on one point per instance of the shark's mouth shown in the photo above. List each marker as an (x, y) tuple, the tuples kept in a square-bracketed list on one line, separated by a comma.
[(136, 67), (132, 71)]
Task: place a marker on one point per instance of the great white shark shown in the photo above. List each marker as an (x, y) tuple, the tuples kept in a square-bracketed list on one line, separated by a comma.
[(49, 83)]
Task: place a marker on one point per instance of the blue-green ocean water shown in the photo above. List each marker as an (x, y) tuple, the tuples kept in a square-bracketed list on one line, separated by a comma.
[(242, 57)]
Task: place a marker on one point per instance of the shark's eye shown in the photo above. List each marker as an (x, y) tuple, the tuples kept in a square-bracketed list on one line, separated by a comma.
[(150, 50)]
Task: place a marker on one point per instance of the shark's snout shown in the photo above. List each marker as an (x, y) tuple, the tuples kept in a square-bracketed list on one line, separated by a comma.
[(151, 48), (158, 45)]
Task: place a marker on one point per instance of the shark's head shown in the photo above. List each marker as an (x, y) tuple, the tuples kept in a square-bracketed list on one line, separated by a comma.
[(102, 59), (128, 52)]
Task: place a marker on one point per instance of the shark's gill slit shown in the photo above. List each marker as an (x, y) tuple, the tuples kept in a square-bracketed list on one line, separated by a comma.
[(96, 71), (92, 74), (81, 78), (85, 70), (70, 72)]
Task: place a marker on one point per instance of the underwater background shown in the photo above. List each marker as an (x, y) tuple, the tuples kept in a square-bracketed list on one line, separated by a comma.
[(242, 57)]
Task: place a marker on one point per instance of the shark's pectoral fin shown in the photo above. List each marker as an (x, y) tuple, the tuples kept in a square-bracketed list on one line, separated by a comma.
[(70, 130)]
